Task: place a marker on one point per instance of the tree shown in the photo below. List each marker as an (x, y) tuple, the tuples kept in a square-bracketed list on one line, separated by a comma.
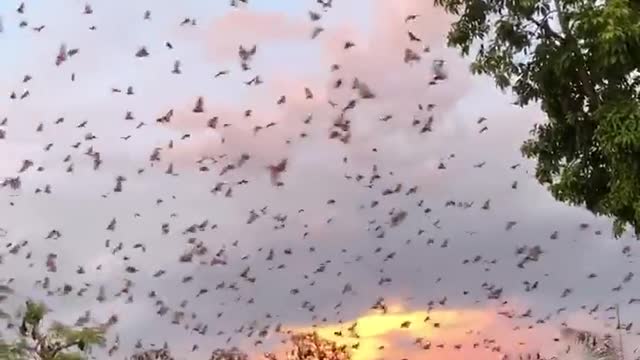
[(228, 354), (310, 346), (579, 59), (59, 342), (154, 354), (305, 346)]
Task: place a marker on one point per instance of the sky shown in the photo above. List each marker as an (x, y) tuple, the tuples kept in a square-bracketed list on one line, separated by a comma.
[(329, 252)]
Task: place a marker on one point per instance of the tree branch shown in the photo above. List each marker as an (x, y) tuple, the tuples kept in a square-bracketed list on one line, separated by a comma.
[(544, 25), (585, 80), (66, 346)]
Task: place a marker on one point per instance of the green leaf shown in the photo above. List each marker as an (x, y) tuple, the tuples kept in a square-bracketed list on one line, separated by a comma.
[(70, 356), (35, 313), (584, 76)]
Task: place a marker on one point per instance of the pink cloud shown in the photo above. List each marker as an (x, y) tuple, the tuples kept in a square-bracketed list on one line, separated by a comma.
[(267, 144), (246, 27), (377, 60)]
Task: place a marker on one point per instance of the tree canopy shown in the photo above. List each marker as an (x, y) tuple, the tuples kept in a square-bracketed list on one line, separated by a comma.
[(303, 346), (310, 346), (58, 342), (579, 59), (228, 354)]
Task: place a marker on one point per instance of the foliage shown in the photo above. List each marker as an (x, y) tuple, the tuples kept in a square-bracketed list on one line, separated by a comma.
[(580, 60), (59, 342), (310, 346), (161, 354), (15, 351), (228, 354), (304, 346)]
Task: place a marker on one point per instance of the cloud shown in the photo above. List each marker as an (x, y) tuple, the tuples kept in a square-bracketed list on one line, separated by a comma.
[(445, 333), (247, 28), (376, 331), (432, 254), (376, 51)]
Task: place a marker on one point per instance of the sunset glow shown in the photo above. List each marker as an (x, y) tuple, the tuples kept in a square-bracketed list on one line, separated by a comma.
[(375, 333)]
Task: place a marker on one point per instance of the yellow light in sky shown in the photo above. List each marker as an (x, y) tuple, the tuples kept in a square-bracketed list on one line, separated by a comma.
[(375, 329)]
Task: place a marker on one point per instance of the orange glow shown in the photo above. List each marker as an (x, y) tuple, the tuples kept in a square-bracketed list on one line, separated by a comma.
[(375, 332)]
